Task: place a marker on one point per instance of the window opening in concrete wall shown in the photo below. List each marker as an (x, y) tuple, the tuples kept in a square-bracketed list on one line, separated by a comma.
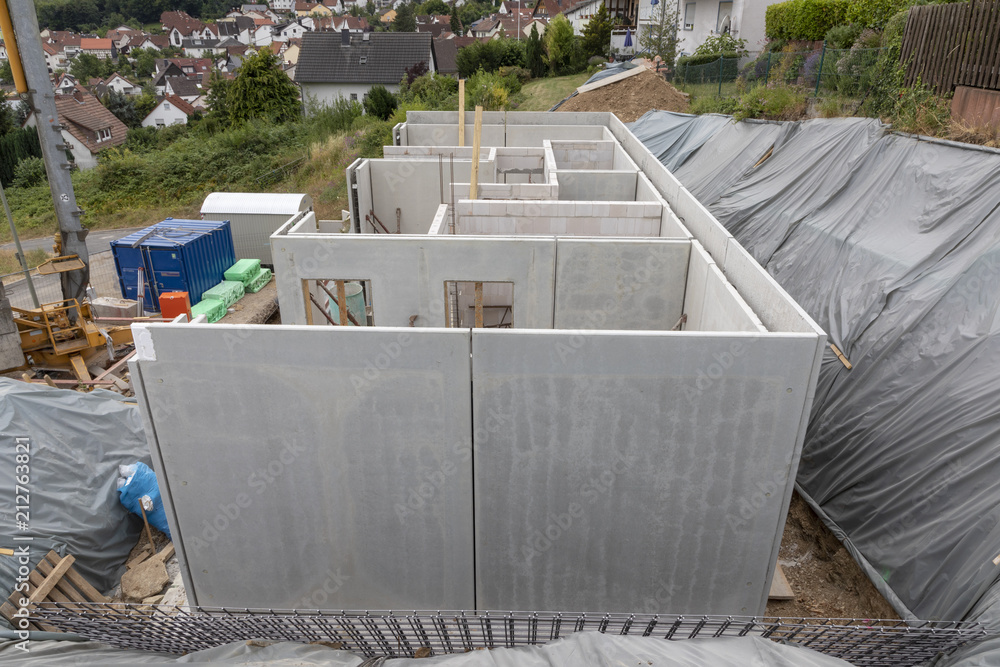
[(340, 300), (479, 304)]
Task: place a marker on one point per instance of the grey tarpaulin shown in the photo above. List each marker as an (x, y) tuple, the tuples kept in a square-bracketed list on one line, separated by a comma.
[(76, 442), (583, 649), (892, 243), (673, 137)]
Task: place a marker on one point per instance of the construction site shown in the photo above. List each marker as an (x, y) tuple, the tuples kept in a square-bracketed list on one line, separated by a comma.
[(555, 389)]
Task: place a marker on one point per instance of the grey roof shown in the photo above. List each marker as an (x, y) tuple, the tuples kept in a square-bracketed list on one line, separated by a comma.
[(183, 87), (199, 43), (387, 55)]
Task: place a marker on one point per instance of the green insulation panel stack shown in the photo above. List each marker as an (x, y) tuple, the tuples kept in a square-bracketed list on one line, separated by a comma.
[(228, 292), (213, 309), (244, 271), (262, 278)]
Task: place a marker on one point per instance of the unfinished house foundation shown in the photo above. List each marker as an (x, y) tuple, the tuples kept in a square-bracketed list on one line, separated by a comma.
[(565, 387)]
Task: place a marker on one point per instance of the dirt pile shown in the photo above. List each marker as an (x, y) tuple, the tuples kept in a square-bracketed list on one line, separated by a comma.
[(826, 580), (630, 98)]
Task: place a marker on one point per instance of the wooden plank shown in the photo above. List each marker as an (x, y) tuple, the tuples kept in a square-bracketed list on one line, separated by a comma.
[(341, 303), (307, 298), (118, 364), (476, 143), (479, 305), (780, 588), (461, 112), (52, 578)]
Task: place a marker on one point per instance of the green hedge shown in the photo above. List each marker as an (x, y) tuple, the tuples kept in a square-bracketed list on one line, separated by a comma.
[(730, 65), (875, 13), (804, 19)]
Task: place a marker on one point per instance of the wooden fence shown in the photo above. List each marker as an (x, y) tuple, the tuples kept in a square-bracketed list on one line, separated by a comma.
[(953, 45)]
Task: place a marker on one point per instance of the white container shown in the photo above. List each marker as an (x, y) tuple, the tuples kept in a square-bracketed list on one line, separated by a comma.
[(254, 217)]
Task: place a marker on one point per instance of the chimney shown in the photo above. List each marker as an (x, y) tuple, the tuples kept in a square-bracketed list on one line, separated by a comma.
[(345, 37)]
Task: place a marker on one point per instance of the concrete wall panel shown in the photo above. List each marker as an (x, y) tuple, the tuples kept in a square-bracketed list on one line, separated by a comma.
[(332, 472), (408, 273), (617, 284), (633, 472), (597, 185)]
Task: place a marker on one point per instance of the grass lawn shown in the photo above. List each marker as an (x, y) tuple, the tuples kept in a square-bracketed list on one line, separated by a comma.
[(541, 94)]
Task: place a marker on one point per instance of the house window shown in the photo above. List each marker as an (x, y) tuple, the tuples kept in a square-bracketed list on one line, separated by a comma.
[(689, 15), (104, 135), (354, 97), (166, 106), (725, 12), (160, 123)]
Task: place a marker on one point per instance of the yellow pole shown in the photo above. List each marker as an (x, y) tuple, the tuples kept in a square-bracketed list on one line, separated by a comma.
[(461, 111), (476, 140), (7, 28)]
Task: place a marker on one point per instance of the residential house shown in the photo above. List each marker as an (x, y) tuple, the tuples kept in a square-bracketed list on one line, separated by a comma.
[(87, 126), (101, 48), (65, 84), (435, 25), (240, 28), (171, 110), (117, 83), (157, 42), (3, 50), (312, 9), (54, 58), (701, 19), (283, 6), (263, 32), (287, 31), (180, 25), (518, 26), (203, 48), (332, 65), (577, 11), (184, 88), (355, 24)]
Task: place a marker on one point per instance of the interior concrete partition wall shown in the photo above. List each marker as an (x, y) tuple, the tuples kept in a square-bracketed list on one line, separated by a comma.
[(576, 185), (413, 186), (408, 273), (559, 218), (634, 472), (334, 470)]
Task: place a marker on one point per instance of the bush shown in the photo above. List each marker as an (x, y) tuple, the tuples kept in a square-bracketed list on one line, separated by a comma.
[(842, 36), (15, 146), (380, 103), (29, 172), (772, 103), (328, 119), (804, 19), (490, 56), (431, 91), (492, 91), (724, 43)]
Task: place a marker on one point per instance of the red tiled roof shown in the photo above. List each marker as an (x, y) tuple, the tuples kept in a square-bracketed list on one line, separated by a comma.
[(179, 103), (91, 44)]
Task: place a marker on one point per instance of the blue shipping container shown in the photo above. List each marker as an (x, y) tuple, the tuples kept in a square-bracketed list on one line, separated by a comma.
[(177, 256)]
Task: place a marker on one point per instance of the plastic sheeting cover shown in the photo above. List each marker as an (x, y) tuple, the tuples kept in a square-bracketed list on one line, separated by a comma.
[(76, 443), (673, 137), (582, 649), (892, 244)]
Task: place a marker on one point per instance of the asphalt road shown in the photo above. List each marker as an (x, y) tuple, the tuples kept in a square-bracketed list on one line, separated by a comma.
[(97, 241), (48, 287)]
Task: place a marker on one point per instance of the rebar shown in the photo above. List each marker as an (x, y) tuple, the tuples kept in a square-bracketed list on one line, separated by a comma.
[(179, 630)]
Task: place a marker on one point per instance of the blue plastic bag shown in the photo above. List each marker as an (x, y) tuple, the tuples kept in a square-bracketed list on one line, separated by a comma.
[(143, 483)]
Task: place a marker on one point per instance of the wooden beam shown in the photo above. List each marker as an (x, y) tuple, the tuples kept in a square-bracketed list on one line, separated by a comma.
[(461, 112), (476, 139), (308, 299), (780, 588), (342, 302), (51, 579), (479, 305)]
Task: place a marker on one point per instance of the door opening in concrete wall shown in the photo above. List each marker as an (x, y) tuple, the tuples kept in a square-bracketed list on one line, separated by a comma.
[(340, 301), (480, 304)]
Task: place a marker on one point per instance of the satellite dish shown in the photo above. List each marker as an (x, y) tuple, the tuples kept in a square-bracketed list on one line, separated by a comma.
[(726, 25)]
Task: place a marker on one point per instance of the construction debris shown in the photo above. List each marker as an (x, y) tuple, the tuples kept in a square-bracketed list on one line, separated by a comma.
[(53, 580)]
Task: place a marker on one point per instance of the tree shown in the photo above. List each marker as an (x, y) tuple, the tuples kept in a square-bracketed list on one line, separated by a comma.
[(456, 25), (535, 54), (144, 105), (6, 75), (145, 62), (659, 38), (434, 7), (8, 117), (86, 67), (262, 90), (560, 46), (123, 107), (405, 20), (597, 33), (218, 96), (380, 103)]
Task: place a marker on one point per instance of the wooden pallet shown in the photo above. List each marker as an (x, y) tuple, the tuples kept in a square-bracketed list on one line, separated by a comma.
[(54, 580)]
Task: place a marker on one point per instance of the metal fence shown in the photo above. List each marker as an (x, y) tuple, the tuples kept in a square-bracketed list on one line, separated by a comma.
[(847, 72), (103, 280), (186, 629)]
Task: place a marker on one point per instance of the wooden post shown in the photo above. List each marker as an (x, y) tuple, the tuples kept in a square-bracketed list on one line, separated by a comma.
[(476, 139), (461, 112), (479, 305), (307, 298), (342, 302)]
